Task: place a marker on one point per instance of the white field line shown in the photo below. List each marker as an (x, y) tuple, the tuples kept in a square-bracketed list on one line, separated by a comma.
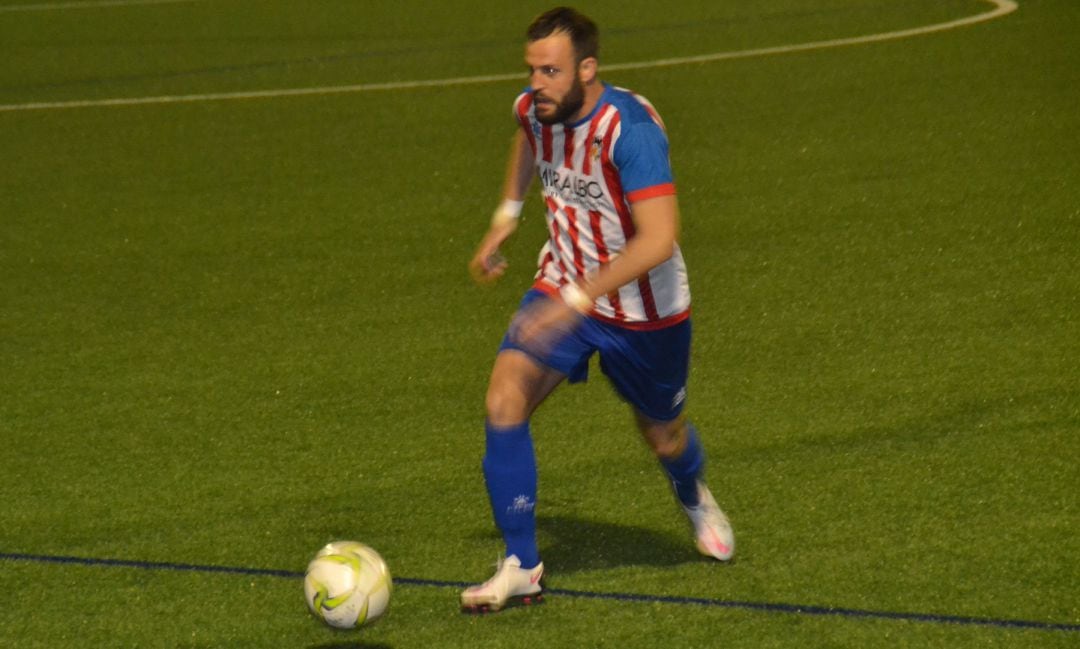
[(1001, 8), (50, 6)]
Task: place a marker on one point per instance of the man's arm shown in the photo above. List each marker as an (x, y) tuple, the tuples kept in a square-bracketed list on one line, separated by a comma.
[(656, 221), (657, 230), (486, 265), (520, 168)]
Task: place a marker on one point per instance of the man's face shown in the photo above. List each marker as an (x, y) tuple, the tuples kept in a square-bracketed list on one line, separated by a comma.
[(558, 92)]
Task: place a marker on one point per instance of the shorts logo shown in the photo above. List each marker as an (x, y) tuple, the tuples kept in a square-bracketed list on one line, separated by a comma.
[(680, 396)]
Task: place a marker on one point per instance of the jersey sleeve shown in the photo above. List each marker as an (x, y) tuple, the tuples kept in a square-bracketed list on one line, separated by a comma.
[(521, 105), (641, 155)]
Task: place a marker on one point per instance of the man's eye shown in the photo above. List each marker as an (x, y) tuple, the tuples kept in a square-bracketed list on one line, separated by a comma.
[(546, 70)]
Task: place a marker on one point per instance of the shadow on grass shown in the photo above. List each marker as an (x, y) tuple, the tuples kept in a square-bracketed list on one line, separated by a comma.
[(578, 544)]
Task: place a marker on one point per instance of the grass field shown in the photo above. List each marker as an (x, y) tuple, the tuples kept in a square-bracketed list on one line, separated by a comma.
[(232, 330)]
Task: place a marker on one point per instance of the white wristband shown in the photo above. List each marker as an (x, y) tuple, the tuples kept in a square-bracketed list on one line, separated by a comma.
[(575, 298), (508, 210)]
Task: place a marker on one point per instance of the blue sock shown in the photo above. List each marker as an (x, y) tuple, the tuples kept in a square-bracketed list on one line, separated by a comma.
[(685, 469), (510, 474)]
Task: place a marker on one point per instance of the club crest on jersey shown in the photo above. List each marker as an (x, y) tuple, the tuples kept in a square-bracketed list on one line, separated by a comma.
[(594, 148)]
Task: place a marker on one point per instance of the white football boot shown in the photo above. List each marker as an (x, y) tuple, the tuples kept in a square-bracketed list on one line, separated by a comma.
[(711, 527), (512, 585)]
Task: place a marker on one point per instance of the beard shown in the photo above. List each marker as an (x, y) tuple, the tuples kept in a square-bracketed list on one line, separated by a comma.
[(567, 108)]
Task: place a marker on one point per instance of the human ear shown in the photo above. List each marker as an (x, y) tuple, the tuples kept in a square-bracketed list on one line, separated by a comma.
[(587, 69)]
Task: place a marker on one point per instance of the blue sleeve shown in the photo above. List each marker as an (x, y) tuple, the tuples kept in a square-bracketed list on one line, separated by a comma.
[(641, 154)]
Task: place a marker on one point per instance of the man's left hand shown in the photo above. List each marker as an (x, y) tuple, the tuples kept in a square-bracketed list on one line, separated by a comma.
[(539, 327)]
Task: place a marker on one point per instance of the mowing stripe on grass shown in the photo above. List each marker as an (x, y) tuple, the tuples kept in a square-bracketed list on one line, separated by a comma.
[(54, 6), (1001, 8), (767, 607)]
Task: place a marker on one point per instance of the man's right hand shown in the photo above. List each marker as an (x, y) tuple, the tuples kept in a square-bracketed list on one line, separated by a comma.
[(488, 264)]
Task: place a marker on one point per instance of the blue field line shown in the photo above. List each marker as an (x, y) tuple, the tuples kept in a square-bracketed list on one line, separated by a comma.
[(768, 607)]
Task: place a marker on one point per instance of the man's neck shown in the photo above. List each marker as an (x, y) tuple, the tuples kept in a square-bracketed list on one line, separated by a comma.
[(593, 90)]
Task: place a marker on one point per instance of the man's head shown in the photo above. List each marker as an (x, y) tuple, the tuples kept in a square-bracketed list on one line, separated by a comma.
[(561, 50), (582, 31)]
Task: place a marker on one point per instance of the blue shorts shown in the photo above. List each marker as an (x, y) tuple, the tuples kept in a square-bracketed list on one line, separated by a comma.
[(647, 368)]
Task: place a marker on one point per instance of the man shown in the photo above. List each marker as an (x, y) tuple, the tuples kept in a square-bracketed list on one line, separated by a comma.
[(611, 281)]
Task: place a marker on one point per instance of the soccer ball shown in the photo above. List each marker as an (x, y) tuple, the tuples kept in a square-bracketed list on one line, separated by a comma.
[(347, 585)]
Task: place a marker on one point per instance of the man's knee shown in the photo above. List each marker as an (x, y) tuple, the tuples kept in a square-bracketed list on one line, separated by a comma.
[(666, 439), (506, 405), (518, 385)]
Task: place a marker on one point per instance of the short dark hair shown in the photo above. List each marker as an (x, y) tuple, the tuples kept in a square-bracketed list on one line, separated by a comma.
[(582, 31)]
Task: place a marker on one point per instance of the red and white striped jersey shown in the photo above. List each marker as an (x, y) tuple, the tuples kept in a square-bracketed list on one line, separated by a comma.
[(591, 173)]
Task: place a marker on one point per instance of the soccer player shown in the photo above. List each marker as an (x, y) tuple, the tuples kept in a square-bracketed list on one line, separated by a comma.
[(611, 281)]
